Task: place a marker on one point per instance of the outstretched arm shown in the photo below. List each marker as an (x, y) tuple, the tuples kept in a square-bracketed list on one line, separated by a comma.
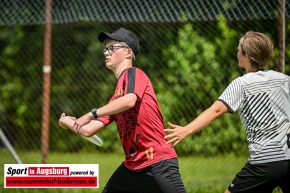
[(178, 133), (88, 130)]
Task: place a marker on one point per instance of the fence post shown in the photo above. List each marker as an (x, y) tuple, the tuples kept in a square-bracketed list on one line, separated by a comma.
[(281, 36), (46, 82), (281, 43)]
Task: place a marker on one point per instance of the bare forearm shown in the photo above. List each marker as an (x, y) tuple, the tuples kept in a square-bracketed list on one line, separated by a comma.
[(207, 117), (202, 121), (119, 105), (178, 133), (86, 130)]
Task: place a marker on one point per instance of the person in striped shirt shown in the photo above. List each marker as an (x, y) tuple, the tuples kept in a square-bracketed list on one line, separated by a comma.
[(262, 99)]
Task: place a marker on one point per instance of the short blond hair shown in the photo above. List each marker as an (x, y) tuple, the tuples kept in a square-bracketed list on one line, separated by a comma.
[(258, 47)]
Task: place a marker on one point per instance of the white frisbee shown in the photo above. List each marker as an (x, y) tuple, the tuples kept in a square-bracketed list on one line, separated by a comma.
[(95, 140)]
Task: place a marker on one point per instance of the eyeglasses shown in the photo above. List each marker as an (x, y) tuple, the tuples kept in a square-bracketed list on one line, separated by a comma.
[(111, 49)]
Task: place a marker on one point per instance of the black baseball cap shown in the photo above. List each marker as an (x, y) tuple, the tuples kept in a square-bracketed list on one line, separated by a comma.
[(122, 35)]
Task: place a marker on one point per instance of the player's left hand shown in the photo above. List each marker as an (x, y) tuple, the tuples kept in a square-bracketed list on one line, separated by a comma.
[(64, 120), (177, 134)]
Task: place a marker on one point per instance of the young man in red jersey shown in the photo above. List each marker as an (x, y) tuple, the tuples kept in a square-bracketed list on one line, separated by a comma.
[(150, 164)]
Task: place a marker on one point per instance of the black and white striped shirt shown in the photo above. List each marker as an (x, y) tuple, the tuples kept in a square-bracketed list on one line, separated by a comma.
[(262, 100)]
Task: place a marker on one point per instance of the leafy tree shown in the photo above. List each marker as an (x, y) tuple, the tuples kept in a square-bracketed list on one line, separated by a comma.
[(196, 74)]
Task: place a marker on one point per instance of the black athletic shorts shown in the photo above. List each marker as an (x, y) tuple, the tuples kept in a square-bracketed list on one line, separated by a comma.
[(162, 177), (262, 178)]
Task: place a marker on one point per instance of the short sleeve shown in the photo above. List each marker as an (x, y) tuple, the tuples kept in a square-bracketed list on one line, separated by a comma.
[(106, 119), (233, 96), (137, 82)]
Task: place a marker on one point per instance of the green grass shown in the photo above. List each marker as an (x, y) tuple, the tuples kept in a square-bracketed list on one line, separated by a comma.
[(199, 174)]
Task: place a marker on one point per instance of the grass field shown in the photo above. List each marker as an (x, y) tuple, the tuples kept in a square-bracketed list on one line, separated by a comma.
[(199, 174)]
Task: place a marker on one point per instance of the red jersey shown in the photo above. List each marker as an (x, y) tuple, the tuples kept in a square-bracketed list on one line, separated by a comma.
[(141, 127)]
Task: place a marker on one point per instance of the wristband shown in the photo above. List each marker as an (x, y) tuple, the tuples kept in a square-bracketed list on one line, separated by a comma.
[(94, 112)]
